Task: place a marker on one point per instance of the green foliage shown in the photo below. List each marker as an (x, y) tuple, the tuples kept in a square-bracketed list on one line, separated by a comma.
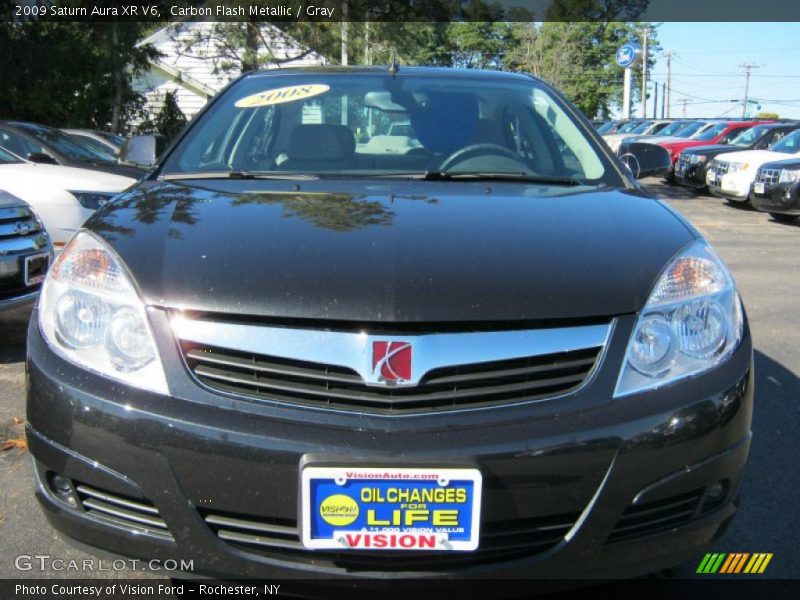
[(170, 120), (578, 59), (71, 74)]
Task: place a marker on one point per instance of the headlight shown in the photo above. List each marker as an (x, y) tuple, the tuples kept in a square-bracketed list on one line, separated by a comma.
[(697, 159), (692, 321), (789, 176), (92, 200), (735, 167), (91, 314)]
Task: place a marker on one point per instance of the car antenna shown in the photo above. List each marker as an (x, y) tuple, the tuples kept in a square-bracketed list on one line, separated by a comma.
[(393, 66)]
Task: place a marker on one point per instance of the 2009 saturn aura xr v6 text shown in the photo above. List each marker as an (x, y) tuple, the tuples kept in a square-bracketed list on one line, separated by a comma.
[(391, 323)]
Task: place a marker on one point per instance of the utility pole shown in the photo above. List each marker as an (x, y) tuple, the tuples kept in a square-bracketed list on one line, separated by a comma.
[(684, 108), (748, 67), (655, 100), (645, 36), (663, 98), (344, 33), (669, 79)]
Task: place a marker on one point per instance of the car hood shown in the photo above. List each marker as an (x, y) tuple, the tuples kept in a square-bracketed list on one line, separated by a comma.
[(681, 143), (68, 178), (711, 149), (392, 252), (755, 158)]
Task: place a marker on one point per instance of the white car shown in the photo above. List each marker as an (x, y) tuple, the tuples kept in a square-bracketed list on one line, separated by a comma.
[(63, 197), (732, 175)]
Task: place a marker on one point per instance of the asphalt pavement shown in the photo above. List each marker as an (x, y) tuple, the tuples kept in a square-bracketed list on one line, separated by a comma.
[(764, 256)]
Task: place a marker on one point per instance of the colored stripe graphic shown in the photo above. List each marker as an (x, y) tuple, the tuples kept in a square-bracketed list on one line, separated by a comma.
[(711, 563), (734, 563), (758, 563)]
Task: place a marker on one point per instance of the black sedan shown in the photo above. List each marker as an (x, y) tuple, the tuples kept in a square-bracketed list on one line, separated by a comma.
[(39, 143), (776, 189), (490, 352), (692, 165)]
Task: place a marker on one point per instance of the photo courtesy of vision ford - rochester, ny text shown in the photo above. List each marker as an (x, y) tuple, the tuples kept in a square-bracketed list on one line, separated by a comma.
[(474, 346)]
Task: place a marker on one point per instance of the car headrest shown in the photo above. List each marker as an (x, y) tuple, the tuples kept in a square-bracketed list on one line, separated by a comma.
[(447, 121), (321, 142)]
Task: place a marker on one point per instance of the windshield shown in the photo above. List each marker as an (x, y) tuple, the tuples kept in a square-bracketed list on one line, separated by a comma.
[(749, 137), (788, 145), (62, 143), (689, 129), (6, 158), (628, 127), (606, 127), (92, 143), (373, 124), (710, 133), (672, 128), (643, 127)]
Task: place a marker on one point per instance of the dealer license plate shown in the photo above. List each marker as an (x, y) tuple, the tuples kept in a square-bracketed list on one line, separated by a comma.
[(392, 508), (711, 178), (758, 188)]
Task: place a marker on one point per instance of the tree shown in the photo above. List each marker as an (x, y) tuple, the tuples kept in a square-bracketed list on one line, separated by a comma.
[(170, 120), (82, 72), (577, 58)]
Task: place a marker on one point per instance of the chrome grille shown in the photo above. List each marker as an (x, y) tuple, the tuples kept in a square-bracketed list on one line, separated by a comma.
[(768, 177), (325, 385), (500, 541), (720, 167), (121, 510), (18, 223), (683, 162)]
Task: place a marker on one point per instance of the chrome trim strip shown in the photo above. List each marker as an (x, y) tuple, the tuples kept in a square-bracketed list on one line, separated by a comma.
[(354, 350)]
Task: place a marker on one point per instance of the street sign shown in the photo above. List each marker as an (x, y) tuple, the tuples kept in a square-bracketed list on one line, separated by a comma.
[(628, 54)]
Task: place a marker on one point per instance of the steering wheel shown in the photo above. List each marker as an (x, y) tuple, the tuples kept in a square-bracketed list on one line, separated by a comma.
[(467, 152)]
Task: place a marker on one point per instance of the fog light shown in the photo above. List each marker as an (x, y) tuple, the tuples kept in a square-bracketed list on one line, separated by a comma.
[(716, 491), (60, 484)]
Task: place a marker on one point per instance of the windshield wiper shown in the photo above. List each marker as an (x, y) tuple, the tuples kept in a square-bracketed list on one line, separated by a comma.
[(235, 175), (500, 176)]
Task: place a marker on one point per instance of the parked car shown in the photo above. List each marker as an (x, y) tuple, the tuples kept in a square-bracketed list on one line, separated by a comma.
[(732, 175), (693, 163), (100, 141), (645, 128), (718, 133), (260, 366), (671, 133), (42, 144), (776, 189), (610, 126), (63, 197), (25, 253)]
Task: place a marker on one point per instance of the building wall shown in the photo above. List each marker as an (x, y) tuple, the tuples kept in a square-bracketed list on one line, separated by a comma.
[(195, 50)]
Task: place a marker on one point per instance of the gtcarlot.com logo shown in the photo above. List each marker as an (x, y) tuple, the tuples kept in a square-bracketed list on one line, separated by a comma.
[(732, 563)]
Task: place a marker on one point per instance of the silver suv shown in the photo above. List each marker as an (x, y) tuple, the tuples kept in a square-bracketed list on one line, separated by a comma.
[(25, 252)]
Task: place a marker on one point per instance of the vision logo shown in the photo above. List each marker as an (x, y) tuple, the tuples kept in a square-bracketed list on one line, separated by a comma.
[(734, 563)]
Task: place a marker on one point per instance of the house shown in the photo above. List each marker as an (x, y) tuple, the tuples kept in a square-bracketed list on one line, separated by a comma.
[(196, 62)]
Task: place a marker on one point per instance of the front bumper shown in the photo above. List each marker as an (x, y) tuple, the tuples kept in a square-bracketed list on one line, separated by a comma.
[(781, 198), (631, 476), (22, 301), (732, 186), (693, 176)]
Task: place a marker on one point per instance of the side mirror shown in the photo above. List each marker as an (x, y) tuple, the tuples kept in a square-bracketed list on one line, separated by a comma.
[(42, 158), (645, 160), (142, 150)]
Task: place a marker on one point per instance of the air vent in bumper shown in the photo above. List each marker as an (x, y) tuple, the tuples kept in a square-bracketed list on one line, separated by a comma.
[(500, 541), (121, 510), (653, 517)]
